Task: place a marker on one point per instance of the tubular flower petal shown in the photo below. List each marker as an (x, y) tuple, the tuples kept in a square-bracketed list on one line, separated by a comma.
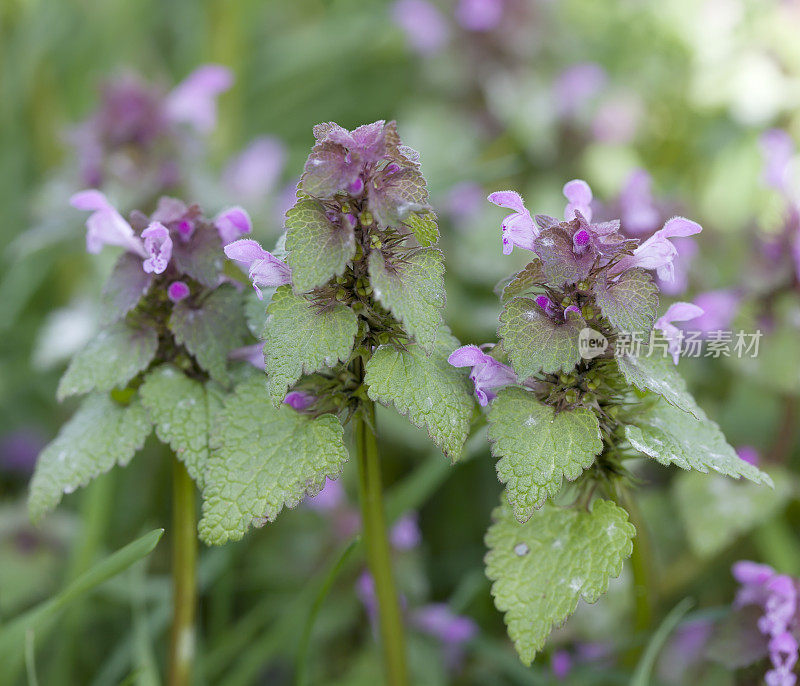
[(579, 197), (487, 373), (677, 312), (518, 227), (105, 226), (265, 270), (158, 245), (194, 100)]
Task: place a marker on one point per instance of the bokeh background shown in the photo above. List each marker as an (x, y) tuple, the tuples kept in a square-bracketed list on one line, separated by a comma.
[(522, 94)]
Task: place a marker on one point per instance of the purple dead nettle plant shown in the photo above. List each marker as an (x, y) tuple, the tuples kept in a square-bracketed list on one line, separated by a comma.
[(350, 310), (571, 398), (170, 318), (140, 133)]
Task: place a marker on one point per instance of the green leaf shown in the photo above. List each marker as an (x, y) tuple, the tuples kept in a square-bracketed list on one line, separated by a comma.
[(317, 248), (535, 343), (433, 394), (202, 257), (716, 510), (181, 410), (124, 289), (111, 359), (521, 282), (538, 448), (673, 436), (413, 291), (209, 332), (542, 568), (560, 262), (39, 619), (400, 194), (658, 374), (302, 337), (424, 227), (100, 435), (264, 458), (630, 303)]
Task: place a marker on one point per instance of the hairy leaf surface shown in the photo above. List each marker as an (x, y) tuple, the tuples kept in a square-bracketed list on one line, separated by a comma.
[(413, 291), (100, 434), (110, 359), (538, 448), (302, 338), (433, 394), (264, 458), (542, 568)]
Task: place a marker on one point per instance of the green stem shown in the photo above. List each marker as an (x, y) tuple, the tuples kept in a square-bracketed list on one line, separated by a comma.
[(376, 543), (184, 577)]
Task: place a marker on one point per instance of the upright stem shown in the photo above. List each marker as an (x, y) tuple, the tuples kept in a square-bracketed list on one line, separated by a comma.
[(184, 579), (376, 543)]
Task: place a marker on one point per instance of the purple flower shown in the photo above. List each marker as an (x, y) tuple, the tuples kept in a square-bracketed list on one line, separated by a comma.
[(637, 209), (300, 400), (158, 245), (365, 590), (777, 149), (687, 249), (518, 227), (479, 15), (560, 664), (719, 308), (265, 270), (487, 373), (19, 450), (256, 170), (777, 594), (657, 252), (177, 291), (423, 25), (547, 305), (232, 223), (194, 100), (616, 119), (405, 534), (252, 354), (749, 454), (579, 197), (677, 312), (464, 201), (576, 85), (331, 497), (105, 226), (454, 631)]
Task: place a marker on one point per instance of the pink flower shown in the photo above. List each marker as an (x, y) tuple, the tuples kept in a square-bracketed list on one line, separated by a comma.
[(637, 209), (158, 246), (719, 308), (265, 270), (405, 534), (479, 15), (105, 226), (177, 291), (677, 312), (777, 149), (487, 373), (232, 223), (252, 354), (657, 252), (579, 197), (194, 100), (518, 227), (423, 25), (255, 171), (749, 454), (576, 85), (300, 400)]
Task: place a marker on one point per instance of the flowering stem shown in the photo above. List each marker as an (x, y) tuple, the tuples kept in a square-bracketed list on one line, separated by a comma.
[(376, 542), (184, 579)]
